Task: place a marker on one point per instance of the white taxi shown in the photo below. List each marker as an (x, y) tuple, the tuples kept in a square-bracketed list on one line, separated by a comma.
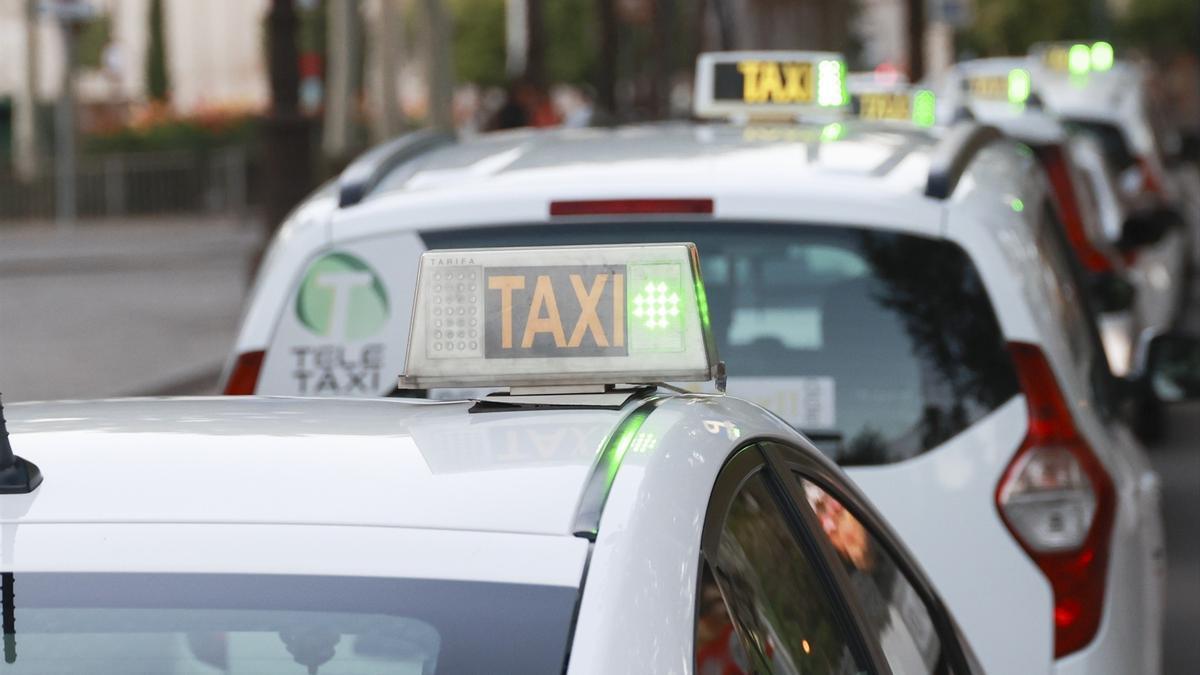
[(1132, 302), (584, 521), (902, 297), (1109, 101)]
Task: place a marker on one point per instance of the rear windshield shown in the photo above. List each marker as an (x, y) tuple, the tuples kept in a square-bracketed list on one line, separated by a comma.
[(879, 346), (205, 624)]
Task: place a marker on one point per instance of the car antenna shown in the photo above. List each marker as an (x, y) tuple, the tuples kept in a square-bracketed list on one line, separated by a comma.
[(17, 476)]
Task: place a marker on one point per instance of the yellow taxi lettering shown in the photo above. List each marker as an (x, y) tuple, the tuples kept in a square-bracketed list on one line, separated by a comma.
[(799, 81), (506, 285), (588, 318), (749, 71), (618, 297), (543, 294)]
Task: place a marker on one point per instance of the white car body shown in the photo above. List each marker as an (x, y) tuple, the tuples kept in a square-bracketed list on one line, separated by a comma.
[(943, 502), (398, 489), (1119, 99)]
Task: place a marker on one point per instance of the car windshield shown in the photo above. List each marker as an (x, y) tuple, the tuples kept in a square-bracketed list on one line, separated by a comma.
[(878, 345), (205, 624)]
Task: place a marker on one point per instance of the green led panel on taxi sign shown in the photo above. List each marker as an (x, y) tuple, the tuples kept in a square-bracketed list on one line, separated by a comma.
[(1102, 56), (656, 305), (1019, 85), (924, 107)]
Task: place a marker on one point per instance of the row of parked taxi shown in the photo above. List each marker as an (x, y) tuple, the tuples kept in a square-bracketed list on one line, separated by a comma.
[(844, 376)]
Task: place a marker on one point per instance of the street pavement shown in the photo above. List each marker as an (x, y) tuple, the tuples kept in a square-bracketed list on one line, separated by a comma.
[(114, 309), (119, 308)]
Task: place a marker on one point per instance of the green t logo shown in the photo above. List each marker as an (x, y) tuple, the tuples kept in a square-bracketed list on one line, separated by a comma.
[(341, 298)]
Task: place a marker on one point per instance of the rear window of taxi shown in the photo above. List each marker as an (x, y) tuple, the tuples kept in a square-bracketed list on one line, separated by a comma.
[(880, 346)]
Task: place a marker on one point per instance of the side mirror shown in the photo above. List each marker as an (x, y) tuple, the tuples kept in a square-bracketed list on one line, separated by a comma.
[(1173, 367), (1112, 292), (1147, 227)]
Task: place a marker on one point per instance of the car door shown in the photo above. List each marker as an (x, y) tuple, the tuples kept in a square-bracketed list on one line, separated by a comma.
[(793, 581)]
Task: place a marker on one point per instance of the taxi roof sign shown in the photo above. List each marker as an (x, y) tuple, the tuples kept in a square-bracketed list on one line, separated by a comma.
[(899, 104), (769, 84), (1075, 58), (551, 316)]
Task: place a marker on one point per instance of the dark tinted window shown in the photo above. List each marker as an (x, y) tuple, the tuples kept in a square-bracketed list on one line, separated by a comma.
[(780, 605), (212, 623), (1116, 149), (896, 616), (879, 345)]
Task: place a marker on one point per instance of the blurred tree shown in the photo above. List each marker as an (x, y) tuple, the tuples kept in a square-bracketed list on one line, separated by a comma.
[(1161, 27), (93, 39), (535, 57), (158, 85), (287, 151), (479, 41), (1005, 27), (606, 70), (570, 56)]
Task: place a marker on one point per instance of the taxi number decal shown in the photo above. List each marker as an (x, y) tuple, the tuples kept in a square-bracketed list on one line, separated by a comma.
[(989, 87), (764, 82), (884, 107), (555, 311)]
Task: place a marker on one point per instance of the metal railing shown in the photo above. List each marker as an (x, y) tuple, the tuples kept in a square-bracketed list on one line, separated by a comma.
[(139, 184)]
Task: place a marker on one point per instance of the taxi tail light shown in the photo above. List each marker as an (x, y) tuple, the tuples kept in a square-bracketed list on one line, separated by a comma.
[(1058, 501), (627, 207), (1054, 161), (243, 380)]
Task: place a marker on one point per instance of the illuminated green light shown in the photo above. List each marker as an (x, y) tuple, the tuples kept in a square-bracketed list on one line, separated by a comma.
[(656, 305), (831, 83), (832, 131), (1018, 85), (1079, 59), (643, 443), (620, 444), (924, 107), (1017, 205), (1102, 56), (702, 303)]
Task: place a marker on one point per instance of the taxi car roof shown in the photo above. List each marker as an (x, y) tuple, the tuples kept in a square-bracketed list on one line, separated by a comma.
[(706, 155), (1101, 97), (377, 463)]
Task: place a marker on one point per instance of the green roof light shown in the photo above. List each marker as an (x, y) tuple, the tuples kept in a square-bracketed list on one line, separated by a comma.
[(657, 305), (924, 106), (1079, 59), (1102, 56), (831, 83), (1018, 85), (1017, 205)]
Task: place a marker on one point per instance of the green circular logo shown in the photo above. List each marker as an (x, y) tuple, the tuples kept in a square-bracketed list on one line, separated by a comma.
[(342, 298)]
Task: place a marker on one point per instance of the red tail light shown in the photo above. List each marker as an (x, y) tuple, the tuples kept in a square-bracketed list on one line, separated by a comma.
[(1058, 501), (244, 378), (1055, 163), (627, 207)]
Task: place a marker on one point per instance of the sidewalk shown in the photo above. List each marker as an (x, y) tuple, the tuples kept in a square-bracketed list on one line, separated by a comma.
[(113, 308)]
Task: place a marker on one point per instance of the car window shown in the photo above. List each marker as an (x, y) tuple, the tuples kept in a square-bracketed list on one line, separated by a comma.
[(1112, 140), (1070, 306), (778, 602), (895, 614), (879, 345), (266, 623), (719, 648)]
